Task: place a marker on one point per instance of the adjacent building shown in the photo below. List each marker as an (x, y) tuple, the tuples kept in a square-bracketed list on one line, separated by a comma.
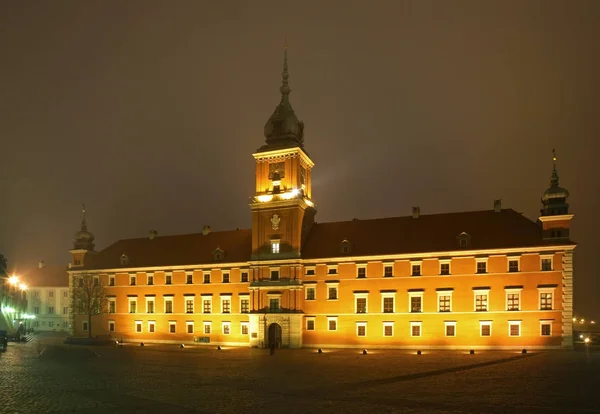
[(48, 298), (479, 279)]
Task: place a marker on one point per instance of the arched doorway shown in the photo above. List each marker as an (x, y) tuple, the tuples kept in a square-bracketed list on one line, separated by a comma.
[(274, 336)]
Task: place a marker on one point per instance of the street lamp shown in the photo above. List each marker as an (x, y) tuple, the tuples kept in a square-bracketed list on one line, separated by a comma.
[(13, 280)]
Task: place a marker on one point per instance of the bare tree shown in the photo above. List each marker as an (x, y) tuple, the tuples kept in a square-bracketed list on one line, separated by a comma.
[(89, 297)]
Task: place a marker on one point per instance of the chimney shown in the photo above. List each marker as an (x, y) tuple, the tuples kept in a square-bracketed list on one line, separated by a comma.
[(498, 205), (41, 264), (205, 230), (153, 234), (416, 212)]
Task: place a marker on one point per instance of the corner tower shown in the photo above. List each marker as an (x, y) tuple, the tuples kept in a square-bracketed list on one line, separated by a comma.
[(282, 209), (554, 215), (82, 244)]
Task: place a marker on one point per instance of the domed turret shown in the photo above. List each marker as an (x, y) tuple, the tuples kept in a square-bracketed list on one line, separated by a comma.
[(283, 129), (84, 240), (554, 199)]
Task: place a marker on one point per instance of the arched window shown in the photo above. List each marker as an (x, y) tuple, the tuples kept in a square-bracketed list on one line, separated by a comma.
[(345, 247), (124, 259)]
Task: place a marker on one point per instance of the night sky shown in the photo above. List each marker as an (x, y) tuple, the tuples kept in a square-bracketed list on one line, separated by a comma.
[(149, 111)]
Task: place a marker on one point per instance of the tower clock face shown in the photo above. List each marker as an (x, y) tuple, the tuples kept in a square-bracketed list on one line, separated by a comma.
[(276, 168)]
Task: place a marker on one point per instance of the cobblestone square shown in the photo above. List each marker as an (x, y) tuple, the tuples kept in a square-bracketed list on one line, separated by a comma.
[(45, 375)]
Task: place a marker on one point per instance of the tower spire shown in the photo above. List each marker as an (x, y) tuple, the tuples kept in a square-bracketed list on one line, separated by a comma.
[(285, 88), (554, 178), (83, 220), (84, 240), (554, 199)]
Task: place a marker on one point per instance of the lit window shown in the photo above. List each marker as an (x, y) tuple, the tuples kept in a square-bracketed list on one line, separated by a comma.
[(206, 305), (244, 328), (206, 328), (415, 329), (361, 329), (189, 305), (225, 305), (244, 305), (481, 302), (512, 301), (546, 301), (226, 328), (275, 247), (444, 303)]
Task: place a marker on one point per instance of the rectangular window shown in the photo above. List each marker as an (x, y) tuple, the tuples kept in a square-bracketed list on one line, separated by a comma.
[(150, 279), (513, 265), (244, 305), (65, 310), (273, 305), (332, 293), (481, 302), (244, 328), (310, 324), (415, 329), (450, 328), (112, 306), (482, 267), (485, 328), (138, 326), (151, 326), (310, 293), (168, 279), (132, 305), (274, 274), (189, 327), (361, 329), (111, 326), (172, 327), (416, 270), (444, 302), (84, 326), (226, 305), (244, 277), (388, 304), (388, 329), (546, 265), (310, 272), (444, 268), (514, 328), (132, 282), (189, 279), (111, 280), (189, 306), (226, 328), (206, 277), (332, 270), (225, 277), (275, 247), (206, 328), (388, 271), (169, 305), (65, 294), (51, 294), (545, 301), (36, 294), (50, 310), (332, 324), (206, 305), (512, 301), (546, 329), (36, 310), (361, 305), (361, 272), (149, 305), (416, 304)]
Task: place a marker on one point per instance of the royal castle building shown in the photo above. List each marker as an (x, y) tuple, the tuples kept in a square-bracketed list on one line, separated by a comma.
[(479, 279)]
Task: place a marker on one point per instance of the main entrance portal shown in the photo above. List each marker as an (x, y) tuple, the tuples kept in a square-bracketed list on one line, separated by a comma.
[(274, 336)]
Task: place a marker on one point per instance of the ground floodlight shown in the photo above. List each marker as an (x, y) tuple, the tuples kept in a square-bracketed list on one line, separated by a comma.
[(218, 347), (320, 351), (182, 346), (524, 351), (141, 344), (419, 352), (364, 352), (472, 352)]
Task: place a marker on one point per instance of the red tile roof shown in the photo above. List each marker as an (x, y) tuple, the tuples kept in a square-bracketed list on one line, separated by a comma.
[(47, 276), (396, 235)]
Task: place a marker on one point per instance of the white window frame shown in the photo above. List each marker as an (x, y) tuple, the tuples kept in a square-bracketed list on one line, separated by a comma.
[(204, 274), (247, 326), (420, 325), (228, 273), (153, 324), (129, 300), (547, 256), (228, 325), (449, 323), (277, 296), (153, 300), (482, 260), (387, 264), (332, 318), (361, 324), (332, 267), (188, 274), (388, 295), (449, 263), (275, 246), (546, 322), (481, 292), (444, 293), (513, 291), (204, 325), (511, 323), (307, 268), (113, 300), (185, 300), (208, 298), (518, 260), (361, 266), (482, 323), (335, 285), (361, 295), (242, 298), (306, 287), (112, 322), (132, 277), (173, 323), (187, 327), (310, 318), (111, 277), (168, 299), (148, 276), (415, 294), (140, 324), (546, 290), (416, 263), (223, 298), (386, 324)]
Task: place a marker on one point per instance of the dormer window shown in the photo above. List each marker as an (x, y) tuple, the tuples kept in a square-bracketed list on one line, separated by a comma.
[(464, 240), (218, 254), (345, 247), (124, 259), (275, 246)]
